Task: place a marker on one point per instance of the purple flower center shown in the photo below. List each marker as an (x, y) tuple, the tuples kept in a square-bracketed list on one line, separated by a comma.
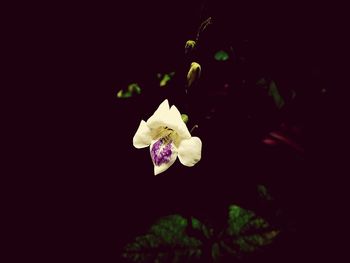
[(160, 152)]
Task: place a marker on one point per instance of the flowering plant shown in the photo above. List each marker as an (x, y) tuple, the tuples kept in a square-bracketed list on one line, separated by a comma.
[(168, 138)]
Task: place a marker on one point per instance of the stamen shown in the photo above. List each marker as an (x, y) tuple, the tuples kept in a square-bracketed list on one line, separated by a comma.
[(165, 134), (167, 139), (194, 127)]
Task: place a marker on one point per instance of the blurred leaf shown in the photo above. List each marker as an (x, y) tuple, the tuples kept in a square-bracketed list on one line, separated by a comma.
[(200, 230), (167, 241), (273, 91), (132, 89), (247, 232), (221, 56), (215, 252), (196, 224), (281, 137), (294, 94), (262, 190), (238, 218), (262, 82), (165, 78), (269, 141)]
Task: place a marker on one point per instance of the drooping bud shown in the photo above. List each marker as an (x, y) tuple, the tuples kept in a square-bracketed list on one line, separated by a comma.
[(193, 74)]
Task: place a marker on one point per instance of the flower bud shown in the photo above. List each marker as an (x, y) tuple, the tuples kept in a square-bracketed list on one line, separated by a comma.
[(190, 45), (193, 74)]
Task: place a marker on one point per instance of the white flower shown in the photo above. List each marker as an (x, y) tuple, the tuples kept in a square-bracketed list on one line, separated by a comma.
[(168, 138)]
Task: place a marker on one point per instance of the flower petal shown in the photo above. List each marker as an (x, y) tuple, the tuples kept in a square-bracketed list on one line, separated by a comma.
[(175, 122), (190, 151), (163, 117), (163, 155), (159, 116), (142, 137)]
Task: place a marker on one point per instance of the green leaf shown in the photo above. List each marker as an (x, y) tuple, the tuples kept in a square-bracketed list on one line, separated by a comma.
[(221, 55), (273, 91), (201, 231), (123, 94), (246, 231), (238, 218), (175, 239), (165, 78), (132, 89), (167, 241), (196, 224)]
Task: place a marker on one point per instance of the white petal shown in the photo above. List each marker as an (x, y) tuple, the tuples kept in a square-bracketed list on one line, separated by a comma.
[(190, 151), (175, 122), (163, 117), (142, 137), (159, 116), (163, 167), (163, 156)]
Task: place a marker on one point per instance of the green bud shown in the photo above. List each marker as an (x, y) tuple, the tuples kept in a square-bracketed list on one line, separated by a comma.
[(165, 79), (184, 117)]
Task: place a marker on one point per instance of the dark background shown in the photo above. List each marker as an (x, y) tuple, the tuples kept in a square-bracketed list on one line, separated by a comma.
[(93, 191)]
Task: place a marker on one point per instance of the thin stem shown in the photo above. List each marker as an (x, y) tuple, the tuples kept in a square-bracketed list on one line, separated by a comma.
[(195, 126), (203, 26)]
